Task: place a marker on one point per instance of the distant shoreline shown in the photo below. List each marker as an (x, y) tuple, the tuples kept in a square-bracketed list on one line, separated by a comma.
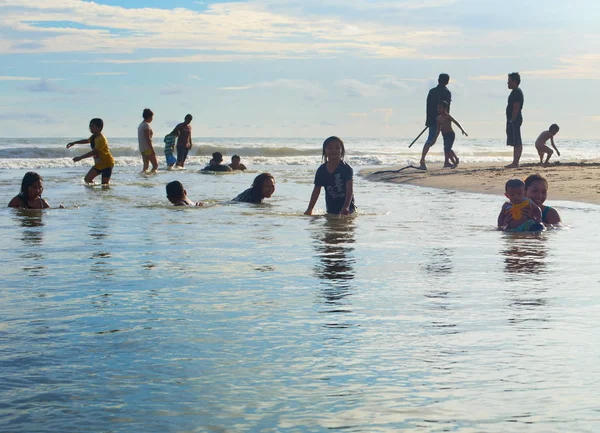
[(572, 181)]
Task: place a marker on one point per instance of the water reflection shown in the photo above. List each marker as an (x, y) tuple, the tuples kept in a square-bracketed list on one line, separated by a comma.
[(439, 264), (524, 255), (439, 261), (333, 242), (101, 264), (32, 238)]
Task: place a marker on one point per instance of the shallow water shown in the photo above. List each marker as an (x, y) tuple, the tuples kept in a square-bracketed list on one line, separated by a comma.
[(123, 314)]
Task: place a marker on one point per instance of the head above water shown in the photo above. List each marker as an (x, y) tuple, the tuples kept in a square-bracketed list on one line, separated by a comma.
[(29, 179), (333, 145), (175, 191), (263, 185), (147, 114), (235, 158), (217, 157), (96, 125), (443, 79)]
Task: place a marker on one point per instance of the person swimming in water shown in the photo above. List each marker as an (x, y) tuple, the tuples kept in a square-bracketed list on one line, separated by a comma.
[(215, 163), (512, 216), (178, 195), (262, 187), (30, 196)]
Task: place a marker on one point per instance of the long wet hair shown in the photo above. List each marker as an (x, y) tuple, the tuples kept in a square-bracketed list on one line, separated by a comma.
[(258, 183), (29, 179), (330, 140)]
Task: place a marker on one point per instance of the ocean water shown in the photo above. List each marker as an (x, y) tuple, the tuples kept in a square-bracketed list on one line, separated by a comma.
[(121, 313)]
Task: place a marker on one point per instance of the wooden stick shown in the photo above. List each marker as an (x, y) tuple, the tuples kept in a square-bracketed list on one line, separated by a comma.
[(418, 136)]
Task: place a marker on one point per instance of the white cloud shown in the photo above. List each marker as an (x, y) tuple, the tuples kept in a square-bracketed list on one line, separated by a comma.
[(584, 67), (13, 78), (310, 89), (100, 74), (224, 31), (356, 88), (384, 113)]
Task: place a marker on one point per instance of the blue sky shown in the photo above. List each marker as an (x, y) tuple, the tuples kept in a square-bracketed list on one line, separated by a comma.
[(358, 68)]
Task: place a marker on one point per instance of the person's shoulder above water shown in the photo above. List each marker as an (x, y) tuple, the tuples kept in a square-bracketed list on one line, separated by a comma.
[(249, 196), (219, 167)]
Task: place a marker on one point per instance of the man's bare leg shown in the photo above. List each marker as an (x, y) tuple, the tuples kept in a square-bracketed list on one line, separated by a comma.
[(517, 151), (426, 148)]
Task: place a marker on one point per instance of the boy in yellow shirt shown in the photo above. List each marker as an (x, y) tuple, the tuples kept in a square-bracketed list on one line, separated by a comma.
[(103, 159)]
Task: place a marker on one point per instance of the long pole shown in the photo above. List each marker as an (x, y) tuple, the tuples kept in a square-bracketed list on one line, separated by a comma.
[(418, 136)]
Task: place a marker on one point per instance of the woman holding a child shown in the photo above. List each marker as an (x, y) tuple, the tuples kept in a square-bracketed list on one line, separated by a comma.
[(536, 188)]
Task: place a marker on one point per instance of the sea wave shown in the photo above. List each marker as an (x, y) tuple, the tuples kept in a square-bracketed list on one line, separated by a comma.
[(41, 152)]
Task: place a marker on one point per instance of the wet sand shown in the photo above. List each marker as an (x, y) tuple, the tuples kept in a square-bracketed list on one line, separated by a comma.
[(574, 181)]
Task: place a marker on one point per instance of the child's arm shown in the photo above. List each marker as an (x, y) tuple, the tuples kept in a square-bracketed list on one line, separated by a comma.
[(552, 143), (502, 218), (313, 199), (349, 194), (459, 125), (73, 143), (85, 155)]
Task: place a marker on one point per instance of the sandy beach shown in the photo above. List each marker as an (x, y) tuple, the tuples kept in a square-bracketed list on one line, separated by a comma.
[(574, 181)]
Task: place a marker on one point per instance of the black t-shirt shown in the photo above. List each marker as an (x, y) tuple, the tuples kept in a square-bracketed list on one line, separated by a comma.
[(335, 186), (249, 196), (435, 96), (217, 168), (515, 96)]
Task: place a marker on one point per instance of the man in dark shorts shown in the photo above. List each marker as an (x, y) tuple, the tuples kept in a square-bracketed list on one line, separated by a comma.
[(514, 118), (184, 140), (434, 97)]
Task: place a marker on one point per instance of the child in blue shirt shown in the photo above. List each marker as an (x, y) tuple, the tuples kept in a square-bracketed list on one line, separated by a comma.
[(336, 177)]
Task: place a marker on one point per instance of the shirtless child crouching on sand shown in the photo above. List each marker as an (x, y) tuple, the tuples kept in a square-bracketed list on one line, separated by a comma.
[(540, 143)]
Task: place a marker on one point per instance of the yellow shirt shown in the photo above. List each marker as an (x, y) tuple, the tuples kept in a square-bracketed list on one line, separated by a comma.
[(517, 209), (103, 158)]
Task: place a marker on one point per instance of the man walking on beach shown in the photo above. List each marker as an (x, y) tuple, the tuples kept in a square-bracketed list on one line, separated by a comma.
[(514, 118), (436, 95), (184, 139)]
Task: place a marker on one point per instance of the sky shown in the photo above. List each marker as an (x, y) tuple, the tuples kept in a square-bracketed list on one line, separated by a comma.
[(290, 68)]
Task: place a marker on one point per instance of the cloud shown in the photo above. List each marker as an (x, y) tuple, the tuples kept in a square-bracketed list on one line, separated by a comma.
[(100, 74), (357, 89), (194, 77), (44, 85), (11, 78), (27, 117), (254, 30), (384, 113), (584, 67), (310, 89)]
